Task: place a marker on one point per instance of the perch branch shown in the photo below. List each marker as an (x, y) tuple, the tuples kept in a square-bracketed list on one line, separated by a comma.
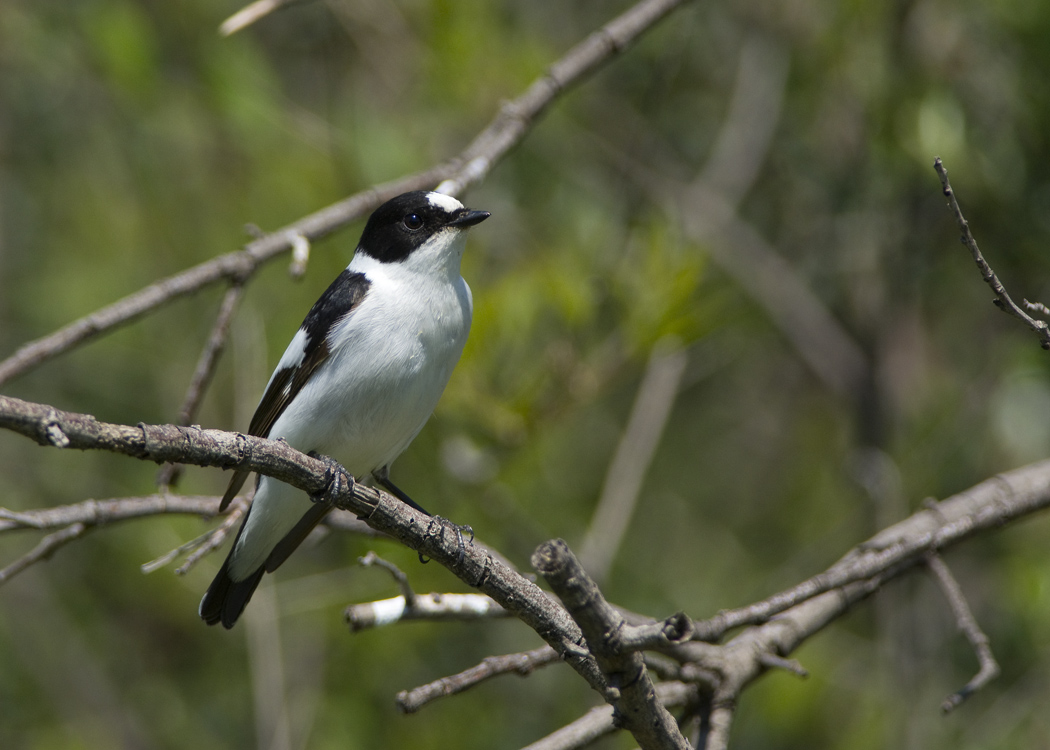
[(228, 450)]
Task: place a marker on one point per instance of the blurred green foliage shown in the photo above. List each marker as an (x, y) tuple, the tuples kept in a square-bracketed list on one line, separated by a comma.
[(134, 142)]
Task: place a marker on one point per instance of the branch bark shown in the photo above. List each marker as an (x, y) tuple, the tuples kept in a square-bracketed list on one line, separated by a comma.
[(1002, 298), (228, 450), (631, 692)]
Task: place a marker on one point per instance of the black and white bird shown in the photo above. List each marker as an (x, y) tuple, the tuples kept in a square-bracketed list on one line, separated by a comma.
[(359, 379)]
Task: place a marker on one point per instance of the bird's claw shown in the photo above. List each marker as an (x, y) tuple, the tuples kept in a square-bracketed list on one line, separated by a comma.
[(336, 479), (460, 531)]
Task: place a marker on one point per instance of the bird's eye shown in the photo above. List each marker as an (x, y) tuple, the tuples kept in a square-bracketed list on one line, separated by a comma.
[(412, 221)]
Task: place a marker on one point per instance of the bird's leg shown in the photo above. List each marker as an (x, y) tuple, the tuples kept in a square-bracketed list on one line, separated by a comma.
[(334, 475), (382, 476)]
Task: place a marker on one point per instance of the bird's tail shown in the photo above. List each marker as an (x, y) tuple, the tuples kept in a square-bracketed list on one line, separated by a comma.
[(225, 599)]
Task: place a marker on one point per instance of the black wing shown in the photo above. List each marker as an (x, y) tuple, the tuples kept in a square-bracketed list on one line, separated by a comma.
[(340, 299)]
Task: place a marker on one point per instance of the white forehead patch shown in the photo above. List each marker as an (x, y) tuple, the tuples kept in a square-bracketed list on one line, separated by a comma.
[(442, 201)]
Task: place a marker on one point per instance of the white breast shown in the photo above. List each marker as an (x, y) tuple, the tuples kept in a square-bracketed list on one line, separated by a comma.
[(387, 369)]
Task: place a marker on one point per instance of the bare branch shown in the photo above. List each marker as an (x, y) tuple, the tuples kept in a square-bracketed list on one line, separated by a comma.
[(97, 512), (511, 124), (991, 503), (1002, 298), (524, 663), (372, 559), (599, 721), (422, 607), (675, 629), (424, 534), (44, 549), (592, 726), (967, 623), (630, 691), (214, 539), (1036, 307), (747, 656)]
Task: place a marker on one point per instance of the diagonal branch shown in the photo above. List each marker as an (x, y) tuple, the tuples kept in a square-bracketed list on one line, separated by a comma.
[(410, 701), (473, 564), (988, 668), (44, 549), (994, 502), (631, 692), (599, 721), (507, 129), (1002, 299)]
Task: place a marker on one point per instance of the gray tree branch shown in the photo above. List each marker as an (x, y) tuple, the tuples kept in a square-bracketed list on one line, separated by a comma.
[(229, 450), (630, 692), (1002, 298)]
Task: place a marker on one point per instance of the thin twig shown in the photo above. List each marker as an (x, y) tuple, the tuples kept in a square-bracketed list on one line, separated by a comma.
[(634, 454), (967, 624), (372, 559), (249, 14), (1036, 307), (97, 512), (511, 124), (204, 372), (212, 541), (752, 652), (523, 663), (44, 549), (1002, 298)]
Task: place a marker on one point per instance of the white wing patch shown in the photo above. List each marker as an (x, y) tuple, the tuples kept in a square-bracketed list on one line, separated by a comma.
[(293, 355)]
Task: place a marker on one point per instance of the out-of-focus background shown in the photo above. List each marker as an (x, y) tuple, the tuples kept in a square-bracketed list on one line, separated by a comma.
[(135, 142)]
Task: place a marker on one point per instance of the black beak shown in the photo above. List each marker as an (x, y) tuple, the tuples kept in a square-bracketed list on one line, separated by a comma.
[(468, 218)]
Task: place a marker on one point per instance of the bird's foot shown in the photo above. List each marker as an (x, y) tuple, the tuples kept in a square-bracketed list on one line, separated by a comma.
[(336, 479), (461, 548)]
